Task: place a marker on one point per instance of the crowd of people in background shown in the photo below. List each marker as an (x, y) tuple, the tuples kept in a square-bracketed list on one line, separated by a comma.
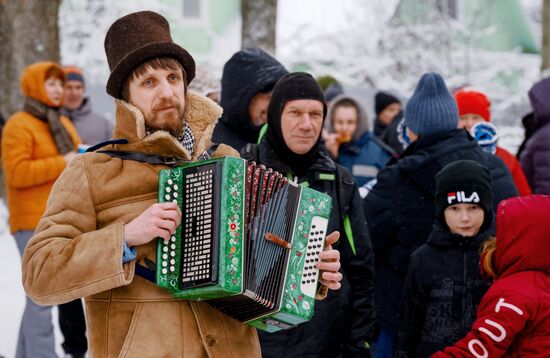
[(423, 196)]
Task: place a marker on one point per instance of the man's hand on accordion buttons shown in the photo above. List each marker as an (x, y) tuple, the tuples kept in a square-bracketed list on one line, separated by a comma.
[(329, 265), (158, 220)]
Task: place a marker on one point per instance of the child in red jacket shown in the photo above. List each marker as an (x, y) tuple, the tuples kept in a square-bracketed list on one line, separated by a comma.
[(513, 318), (474, 107)]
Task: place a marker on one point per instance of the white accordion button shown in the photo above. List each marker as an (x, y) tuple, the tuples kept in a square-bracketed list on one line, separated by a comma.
[(172, 262), (164, 256), (164, 264), (175, 195), (172, 269), (175, 187), (173, 238), (173, 246), (165, 249), (168, 189), (170, 181), (164, 271), (167, 197)]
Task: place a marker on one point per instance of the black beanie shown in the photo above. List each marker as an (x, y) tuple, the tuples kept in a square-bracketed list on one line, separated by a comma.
[(298, 85), (464, 181), (382, 100)]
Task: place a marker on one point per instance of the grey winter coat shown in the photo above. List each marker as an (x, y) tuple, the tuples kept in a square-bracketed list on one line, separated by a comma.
[(91, 127)]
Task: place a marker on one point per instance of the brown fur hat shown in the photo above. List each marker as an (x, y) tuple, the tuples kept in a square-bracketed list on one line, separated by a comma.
[(137, 38)]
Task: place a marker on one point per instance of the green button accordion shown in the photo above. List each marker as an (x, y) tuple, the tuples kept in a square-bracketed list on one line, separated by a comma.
[(248, 242)]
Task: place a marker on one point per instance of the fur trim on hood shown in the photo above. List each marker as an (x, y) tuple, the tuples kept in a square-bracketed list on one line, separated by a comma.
[(201, 114)]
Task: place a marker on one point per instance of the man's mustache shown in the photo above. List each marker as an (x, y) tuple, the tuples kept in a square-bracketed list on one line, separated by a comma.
[(165, 104)]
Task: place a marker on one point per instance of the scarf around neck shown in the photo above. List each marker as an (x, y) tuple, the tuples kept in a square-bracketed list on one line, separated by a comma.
[(60, 134)]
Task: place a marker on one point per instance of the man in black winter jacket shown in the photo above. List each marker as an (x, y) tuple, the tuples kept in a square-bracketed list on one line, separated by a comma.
[(400, 208), (342, 325), (247, 80)]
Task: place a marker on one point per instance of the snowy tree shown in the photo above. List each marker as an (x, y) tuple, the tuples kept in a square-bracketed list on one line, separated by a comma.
[(28, 33), (259, 24), (369, 50)]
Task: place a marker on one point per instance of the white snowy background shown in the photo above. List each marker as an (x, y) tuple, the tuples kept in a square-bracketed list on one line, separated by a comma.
[(348, 39)]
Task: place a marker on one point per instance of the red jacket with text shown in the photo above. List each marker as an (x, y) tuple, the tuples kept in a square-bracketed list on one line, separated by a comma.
[(513, 318)]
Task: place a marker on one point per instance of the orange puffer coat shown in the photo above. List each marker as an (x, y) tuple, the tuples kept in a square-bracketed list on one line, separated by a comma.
[(30, 158)]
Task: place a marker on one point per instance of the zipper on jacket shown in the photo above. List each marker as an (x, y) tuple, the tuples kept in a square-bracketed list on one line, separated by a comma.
[(463, 253)]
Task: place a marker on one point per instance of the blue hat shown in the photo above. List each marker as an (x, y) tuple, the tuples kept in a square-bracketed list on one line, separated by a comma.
[(431, 109)]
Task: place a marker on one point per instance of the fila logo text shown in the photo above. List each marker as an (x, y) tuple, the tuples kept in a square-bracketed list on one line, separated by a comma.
[(461, 197)]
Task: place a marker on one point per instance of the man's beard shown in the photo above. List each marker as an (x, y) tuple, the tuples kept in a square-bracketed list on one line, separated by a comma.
[(172, 121)]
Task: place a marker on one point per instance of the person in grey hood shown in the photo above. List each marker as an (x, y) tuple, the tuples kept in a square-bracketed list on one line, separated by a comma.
[(349, 141), (247, 80), (91, 127)]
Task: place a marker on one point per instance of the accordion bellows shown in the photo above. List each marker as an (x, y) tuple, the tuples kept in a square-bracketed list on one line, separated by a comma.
[(248, 242)]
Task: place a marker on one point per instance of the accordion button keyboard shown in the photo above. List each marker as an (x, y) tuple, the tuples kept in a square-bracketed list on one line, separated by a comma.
[(197, 221), (314, 248)]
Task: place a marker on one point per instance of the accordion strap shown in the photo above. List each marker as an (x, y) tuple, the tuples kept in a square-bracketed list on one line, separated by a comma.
[(146, 273), (157, 159), (144, 157)]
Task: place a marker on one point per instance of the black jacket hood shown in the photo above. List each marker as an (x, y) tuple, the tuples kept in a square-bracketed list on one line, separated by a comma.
[(247, 73)]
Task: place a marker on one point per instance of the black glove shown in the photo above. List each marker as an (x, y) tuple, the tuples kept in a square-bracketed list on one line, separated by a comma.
[(359, 349)]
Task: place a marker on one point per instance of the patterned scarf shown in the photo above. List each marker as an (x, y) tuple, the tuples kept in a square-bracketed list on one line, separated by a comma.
[(187, 139), (61, 136)]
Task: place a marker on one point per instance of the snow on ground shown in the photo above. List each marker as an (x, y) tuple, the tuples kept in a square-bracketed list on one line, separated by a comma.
[(12, 301)]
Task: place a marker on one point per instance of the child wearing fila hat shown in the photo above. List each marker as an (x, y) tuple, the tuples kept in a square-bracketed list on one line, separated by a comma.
[(444, 285)]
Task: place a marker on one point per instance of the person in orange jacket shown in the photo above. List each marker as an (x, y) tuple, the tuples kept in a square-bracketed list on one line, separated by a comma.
[(37, 144), (474, 107)]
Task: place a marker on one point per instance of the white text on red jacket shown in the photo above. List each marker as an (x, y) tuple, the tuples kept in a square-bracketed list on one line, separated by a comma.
[(495, 330)]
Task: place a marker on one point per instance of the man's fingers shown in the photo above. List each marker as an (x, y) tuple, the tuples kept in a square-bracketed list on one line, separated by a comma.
[(333, 285), (332, 238), (172, 215), (330, 255), (328, 266), (168, 206), (331, 276), (168, 225), (162, 233)]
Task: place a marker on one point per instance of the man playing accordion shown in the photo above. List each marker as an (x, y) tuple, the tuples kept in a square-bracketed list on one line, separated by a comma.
[(102, 217)]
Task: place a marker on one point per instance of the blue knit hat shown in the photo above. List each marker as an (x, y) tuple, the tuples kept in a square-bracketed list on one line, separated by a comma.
[(431, 109)]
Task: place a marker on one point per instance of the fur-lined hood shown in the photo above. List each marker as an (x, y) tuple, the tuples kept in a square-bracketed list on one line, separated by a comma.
[(201, 114)]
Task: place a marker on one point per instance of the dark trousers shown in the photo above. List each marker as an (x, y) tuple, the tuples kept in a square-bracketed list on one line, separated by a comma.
[(73, 326)]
